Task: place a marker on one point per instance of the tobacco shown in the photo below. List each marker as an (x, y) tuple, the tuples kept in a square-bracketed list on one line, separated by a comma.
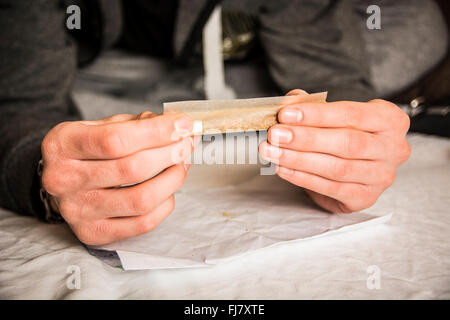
[(239, 115)]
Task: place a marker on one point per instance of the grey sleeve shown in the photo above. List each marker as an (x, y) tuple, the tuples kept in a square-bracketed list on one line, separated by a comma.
[(37, 67), (316, 45)]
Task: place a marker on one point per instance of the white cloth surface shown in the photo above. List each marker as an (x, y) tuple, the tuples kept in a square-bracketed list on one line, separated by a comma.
[(211, 226), (412, 252)]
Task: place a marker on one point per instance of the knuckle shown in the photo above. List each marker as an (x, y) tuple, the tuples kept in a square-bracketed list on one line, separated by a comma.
[(351, 208), (101, 228), (128, 169), (369, 201), (57, 138), (86, 201), (59, 178), (386, 105), (354, 143), (397, 116), (342, 169), (402, 151), (139, 202), (91, 234), (343, 208), (52, 181), (333, 189), (359, 198), (49, 146), (92, 196), (352, 115), (388, 178), (406, 152), (353, 192), (148, 224), (404, 121), (158, 128), (111, 143), (68, 209), (84, 238), (369, 197)]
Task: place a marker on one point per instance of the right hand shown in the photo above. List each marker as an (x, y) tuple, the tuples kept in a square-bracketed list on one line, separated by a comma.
[(85, 162)]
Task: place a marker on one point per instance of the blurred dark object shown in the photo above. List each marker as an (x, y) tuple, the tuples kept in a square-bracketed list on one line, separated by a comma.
[(148, 26), (433, 90), (428, 119), (239, 33)]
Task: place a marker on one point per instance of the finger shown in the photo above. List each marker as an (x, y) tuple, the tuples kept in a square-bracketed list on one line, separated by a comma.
[(146, 115), (328, 166), (114, 118), (337, 206), (370, 117), (329, 204), (114, 229), (337, 190), (296, 92), (127, 201), (134, 226), (195, 141), (122, 118), (118, 139), (132, 169), (344, 143)]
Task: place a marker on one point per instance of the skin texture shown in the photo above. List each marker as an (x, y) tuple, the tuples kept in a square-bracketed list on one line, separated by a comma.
[(86, 161), (345, 154)]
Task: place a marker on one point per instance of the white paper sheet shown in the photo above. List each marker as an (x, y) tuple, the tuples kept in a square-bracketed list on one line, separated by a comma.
[(208, 227)]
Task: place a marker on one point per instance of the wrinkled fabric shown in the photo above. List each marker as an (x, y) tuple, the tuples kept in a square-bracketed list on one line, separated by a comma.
[(412, 253)]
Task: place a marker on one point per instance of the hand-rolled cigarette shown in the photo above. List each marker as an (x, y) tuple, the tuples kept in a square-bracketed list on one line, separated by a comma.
[(239, 115)]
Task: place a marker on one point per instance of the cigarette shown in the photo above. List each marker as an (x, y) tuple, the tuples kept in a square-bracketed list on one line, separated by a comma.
[(239, 115)]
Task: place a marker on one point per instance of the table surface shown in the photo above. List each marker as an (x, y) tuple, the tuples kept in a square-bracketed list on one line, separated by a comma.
[(410, 255)]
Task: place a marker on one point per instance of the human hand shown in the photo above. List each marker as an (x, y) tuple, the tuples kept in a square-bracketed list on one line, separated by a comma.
[(86, 161), (345, 154)]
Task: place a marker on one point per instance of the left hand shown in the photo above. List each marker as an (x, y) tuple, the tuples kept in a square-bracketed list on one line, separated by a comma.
[(345, 154)]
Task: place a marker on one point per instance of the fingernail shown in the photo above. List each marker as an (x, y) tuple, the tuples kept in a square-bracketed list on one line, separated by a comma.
[(292, 116), (272, 152), (279, 135), (183, 126), (285, 171)]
